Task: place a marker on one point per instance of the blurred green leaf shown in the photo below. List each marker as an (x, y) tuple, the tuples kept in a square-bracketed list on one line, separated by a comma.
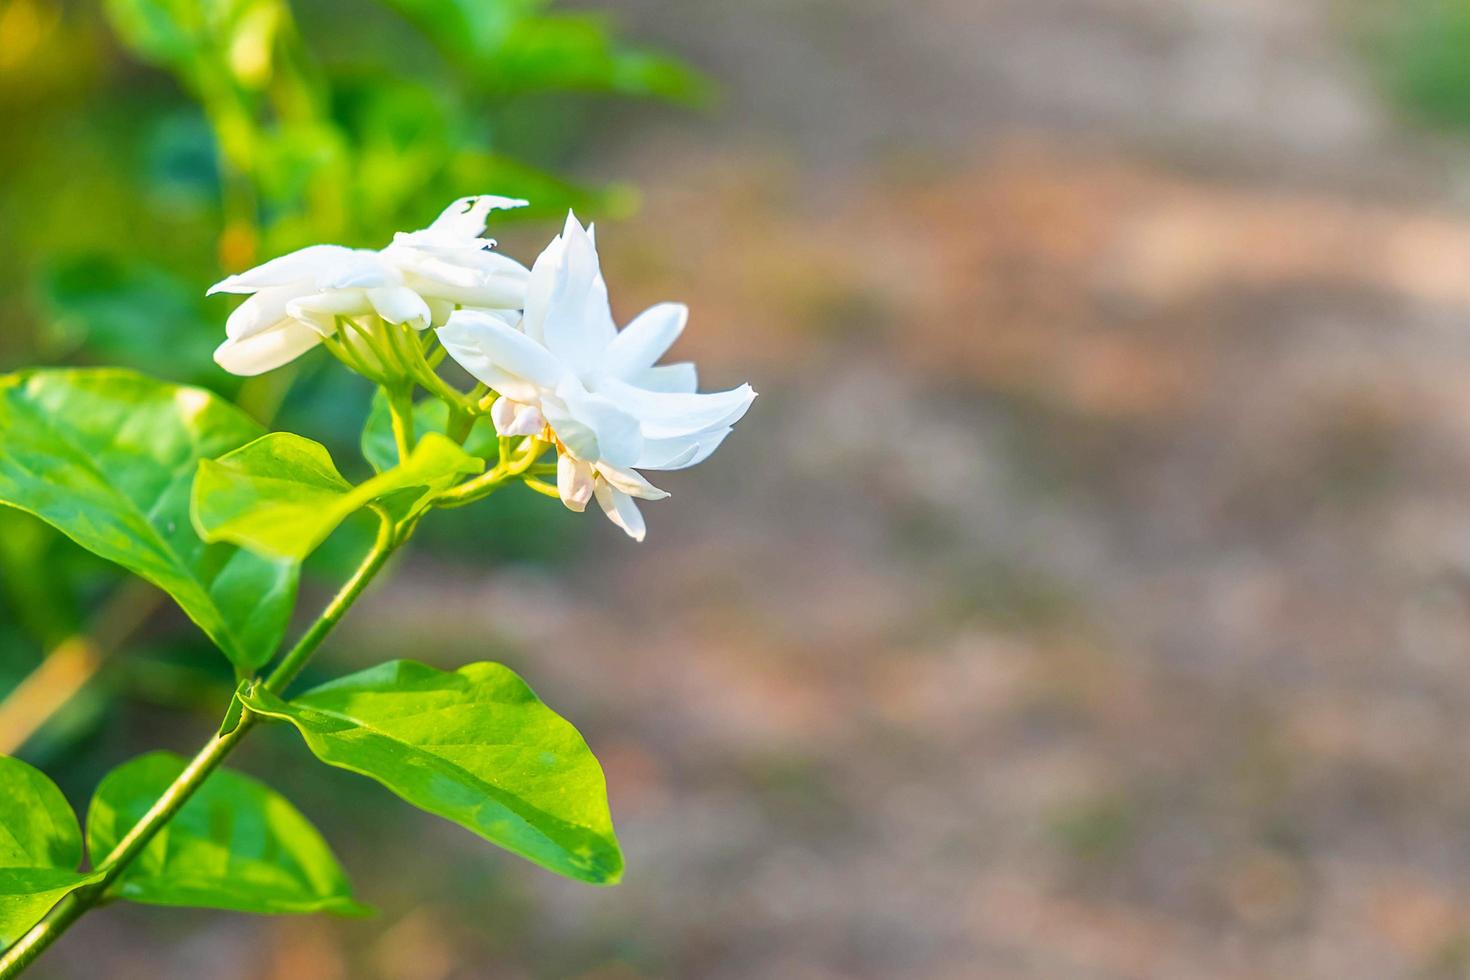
[(107, 457), (188, 35), (236, 844), (126, 311), (576, 53), (514, 47), (40, 848), (181, 163), (402, 133), (282, 495), (475, 746)]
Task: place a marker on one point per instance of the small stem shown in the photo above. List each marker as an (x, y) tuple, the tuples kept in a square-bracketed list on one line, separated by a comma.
[(293, 661), (542, 487), (377, 345), (423, 372), (72, 906), (342, 346), (400, 408), (485, 484)]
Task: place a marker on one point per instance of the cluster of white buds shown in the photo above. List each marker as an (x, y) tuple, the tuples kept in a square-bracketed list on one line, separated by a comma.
[(542, 341)]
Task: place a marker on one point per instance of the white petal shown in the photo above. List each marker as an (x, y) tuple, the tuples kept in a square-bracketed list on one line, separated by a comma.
[(640, 344), (621, 510), (599, 430), (681, 378), (630, 482), (499, 355), (579, 436), (466, 217), (260, 312), (464, 268), (578, 324), (502, 414), (574, 481), (516, 419), (361, 268), (261, 352), (439, 310), (302, 265), (665, 414), (681, 452), (491, 292), (540, 287), (399, 304), (321, 309)]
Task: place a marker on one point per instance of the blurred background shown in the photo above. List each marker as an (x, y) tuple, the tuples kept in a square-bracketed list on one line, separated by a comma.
[(1088, 594)]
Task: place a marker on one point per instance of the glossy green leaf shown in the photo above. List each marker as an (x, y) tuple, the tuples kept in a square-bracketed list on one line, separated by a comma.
[(429, 415), (107, 457), (40, 848), (236, 844), (475, 746), (282, 495)]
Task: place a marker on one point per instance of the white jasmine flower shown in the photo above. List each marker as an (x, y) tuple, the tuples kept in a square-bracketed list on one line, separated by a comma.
[(610, 409), (416, 281)]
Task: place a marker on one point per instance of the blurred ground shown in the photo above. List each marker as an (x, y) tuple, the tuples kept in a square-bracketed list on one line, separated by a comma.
[(1086, 594)]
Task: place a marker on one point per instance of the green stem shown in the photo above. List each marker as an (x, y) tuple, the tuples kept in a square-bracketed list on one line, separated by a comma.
[(423, 372), (291, 664), (40, 936), (400, 408), (482, 486)]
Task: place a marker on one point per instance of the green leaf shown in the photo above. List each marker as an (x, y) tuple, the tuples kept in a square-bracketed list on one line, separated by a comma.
[(282, 495), (37, 826), (475, 746), (40, 848), (107, 457), (236, 844), (429, 415)]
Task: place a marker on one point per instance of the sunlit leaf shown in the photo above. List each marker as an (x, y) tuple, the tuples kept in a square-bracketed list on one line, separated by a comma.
[(107, 457), (236, 844), (40, 848), (282, 495), (475, 746)]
